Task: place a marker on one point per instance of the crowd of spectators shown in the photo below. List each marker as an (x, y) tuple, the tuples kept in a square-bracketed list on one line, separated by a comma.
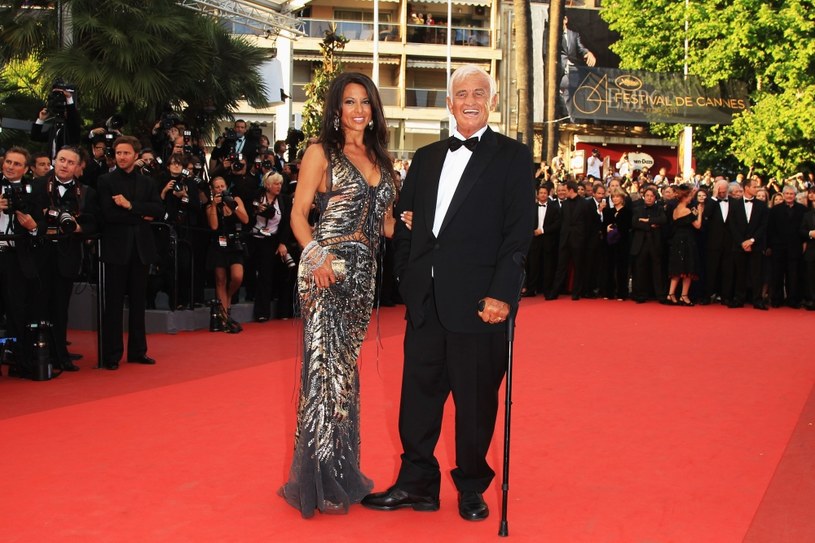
[(701, 240)]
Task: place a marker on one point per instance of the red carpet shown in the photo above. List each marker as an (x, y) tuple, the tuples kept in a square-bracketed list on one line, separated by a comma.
[(631, 423)]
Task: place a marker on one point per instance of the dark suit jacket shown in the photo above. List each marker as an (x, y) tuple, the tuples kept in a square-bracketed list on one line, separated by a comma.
[(807, 225), (741, 230), (69, 134), (485, 229), (644, 232), (784, 228), (716, 230), (25, 243), (551, 225), (125, 230), (84, 205), (572, 50), (576, 220), (621, 220)]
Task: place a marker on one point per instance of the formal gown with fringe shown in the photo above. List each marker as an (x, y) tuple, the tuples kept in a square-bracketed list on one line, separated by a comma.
[(325, 472)]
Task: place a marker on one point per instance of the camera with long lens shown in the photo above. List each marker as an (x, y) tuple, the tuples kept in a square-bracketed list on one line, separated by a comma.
[(237, 161), (18, 196), (63, 219)]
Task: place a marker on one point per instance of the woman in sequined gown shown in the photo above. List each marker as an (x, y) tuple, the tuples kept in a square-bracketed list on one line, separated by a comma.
[(350, 176)]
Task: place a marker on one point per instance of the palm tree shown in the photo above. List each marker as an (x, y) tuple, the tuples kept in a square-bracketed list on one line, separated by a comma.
[(522, 13), (137, 57)]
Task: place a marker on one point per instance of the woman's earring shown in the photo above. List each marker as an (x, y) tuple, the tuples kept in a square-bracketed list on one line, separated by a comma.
[(336, 122), (371, 124)]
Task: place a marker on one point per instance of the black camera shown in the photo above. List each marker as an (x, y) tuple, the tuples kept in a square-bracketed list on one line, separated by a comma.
[(18, 196), (267, 164), (169, 120), (63, 219), (110, 137), (229, 201), (151, 166), (56, 101)]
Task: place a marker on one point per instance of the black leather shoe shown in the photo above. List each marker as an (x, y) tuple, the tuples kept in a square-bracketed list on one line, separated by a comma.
[(471, 506), (75, 356), (760, 305), (142, 360), (395, 498), (67, 365), (111, 366)]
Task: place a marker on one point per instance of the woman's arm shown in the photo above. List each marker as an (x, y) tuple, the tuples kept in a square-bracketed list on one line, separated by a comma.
[(312, 178), (240, 211)]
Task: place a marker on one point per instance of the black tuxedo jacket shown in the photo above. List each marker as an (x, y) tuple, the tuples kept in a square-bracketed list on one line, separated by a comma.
[(26, 244), (483, 238), (123, 230), (576, 214), (741, 230), (84, 205), (551, 223), (716, 230)]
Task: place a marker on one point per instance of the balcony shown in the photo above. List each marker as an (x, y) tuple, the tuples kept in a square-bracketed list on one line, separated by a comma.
[(391, 96), (462, 35), (417, 97), (353, 30)]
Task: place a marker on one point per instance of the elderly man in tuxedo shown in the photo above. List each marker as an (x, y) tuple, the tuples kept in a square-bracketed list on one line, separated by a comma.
[(459, 271)]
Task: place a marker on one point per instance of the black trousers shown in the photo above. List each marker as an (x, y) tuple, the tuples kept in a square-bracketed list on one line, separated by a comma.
[(569, 254), (648, 272), (719, 272), (55, 297), (748, 272), (616, 276), (437, 363), (14, 288), (784, 286), (124, 279)]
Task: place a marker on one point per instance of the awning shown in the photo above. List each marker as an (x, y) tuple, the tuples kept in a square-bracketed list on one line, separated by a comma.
[(441, 64), (347, 59), (486, 3)]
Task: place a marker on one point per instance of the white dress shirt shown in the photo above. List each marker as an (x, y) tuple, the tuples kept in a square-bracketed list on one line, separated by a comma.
[(454, 164)]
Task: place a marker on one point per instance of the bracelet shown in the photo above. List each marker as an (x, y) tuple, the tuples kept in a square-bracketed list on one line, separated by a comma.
[(313, 256)]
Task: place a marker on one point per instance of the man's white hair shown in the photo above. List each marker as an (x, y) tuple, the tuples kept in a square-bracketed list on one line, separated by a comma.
[(466, 71)]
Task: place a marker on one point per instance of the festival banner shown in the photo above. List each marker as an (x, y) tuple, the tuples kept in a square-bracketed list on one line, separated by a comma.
[(609, 94)]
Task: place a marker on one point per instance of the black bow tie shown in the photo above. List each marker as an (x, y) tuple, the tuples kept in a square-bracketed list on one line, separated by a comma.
[(723, 200), (455, 143), (748, 200), (541, 205)]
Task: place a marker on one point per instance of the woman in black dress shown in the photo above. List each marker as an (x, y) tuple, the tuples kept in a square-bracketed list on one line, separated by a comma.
[(226, 215), (683, 257)]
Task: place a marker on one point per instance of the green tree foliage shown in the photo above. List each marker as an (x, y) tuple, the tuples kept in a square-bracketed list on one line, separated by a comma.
[(137, 57), (331, 47), (769, 45)]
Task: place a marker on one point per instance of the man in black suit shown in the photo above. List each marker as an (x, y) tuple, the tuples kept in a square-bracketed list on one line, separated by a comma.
[(459, 272), (72, 210), (575, 218), (595, 250), (21, 222), (718, 244), (647, 221), (786, 248), (572, 53), (748, 230), (129, 202), (541, 262)]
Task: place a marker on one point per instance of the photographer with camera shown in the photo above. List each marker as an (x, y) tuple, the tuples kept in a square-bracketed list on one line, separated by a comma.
[(234, 141), (129, 203), (21, 224), (182, 186), (70, 216), (61, 110), (271, 235), (226, 216), (99, 163)]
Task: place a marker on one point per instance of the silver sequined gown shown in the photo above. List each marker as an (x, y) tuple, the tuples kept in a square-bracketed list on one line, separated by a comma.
[(325, 473)]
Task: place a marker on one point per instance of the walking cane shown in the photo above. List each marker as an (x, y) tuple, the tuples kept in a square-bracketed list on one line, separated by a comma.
[(503, 529)]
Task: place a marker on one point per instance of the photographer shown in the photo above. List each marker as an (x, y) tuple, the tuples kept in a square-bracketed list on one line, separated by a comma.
[(226, 215), (99, 162), (182, 194), (71, 215), (21, 222), (165, 133), (245, 186), (271, 235), (65, 128)]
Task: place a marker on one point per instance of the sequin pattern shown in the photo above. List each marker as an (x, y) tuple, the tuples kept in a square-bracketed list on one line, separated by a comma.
[(325, 473)]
